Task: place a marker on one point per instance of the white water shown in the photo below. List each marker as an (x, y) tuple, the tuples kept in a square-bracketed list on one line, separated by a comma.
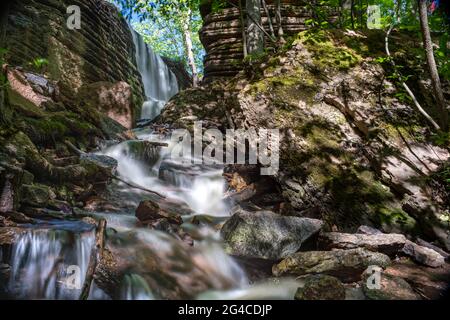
[(200, 187), (40, 256), (160, 84), (41, 263)]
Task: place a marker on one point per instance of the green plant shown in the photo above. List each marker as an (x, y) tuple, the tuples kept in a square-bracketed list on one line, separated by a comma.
[(39, 64)]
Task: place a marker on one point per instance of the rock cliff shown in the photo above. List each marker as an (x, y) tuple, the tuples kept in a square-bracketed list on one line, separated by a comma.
[(37, 29), (221, 34)]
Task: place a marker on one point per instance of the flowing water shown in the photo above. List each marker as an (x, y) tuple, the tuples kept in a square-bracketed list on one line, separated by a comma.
[(160, 84), (46, 256)]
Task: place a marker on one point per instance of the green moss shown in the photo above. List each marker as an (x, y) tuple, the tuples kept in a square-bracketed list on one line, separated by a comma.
[(396, 219), (326, 53)]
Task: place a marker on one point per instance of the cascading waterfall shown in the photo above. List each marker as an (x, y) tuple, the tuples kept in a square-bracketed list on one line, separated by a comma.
[(160, 84), (41, 255), (43, 261)]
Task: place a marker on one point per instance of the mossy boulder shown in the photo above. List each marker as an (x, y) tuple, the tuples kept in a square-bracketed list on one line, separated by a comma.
[(36, 195), (266, 235), (321, 287)]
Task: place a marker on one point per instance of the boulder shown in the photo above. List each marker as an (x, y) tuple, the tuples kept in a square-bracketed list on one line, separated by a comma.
[(264, 234), (321, 287), (36, 195), (149, 211), (99, 160), (347, 265), (368, 230), (113, 99), (431, 283), (423, 255), (389, 244), (388, 288)]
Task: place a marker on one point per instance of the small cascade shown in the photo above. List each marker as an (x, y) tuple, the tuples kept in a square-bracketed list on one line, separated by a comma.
[(160, 84), (49, 263)]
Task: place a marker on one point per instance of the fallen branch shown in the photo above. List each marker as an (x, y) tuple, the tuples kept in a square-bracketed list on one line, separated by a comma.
[(96, 256), (132, 185)]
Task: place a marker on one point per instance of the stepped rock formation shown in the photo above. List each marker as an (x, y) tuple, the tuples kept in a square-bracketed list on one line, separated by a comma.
[(37, 29), (221, 34)]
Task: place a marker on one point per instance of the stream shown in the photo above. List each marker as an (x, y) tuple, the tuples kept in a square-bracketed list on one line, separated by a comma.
[(45, 256)]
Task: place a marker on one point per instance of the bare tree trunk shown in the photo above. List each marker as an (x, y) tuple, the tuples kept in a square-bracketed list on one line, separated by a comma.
[(436, 82), (269, 18), (188, 48), (244, 31), (255, 36), (352, 13), (405, 86), (279, 22)]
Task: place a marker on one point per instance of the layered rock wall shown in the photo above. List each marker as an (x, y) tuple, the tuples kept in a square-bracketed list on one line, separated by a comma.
[(221, 33), (37, 29)]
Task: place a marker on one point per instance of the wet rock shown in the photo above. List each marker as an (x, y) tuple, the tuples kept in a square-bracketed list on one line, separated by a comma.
[(102, 161), (389, 244), (264, 234), (171, 268), (389, 288), (321, 287), (149, 211), (368, 230), (36, 195), (346, 265), (17, 217), (423, 255), (8, 235)]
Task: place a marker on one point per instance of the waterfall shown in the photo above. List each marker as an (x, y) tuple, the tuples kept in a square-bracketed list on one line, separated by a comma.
[(160, 84), (49, 263)]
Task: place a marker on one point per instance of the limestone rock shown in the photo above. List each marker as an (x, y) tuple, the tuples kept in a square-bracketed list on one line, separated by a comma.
[(113, 99), (389, 244), (423, 255), (75, 58), (321, 287), (346, 265), (267, 235), (150, 211), (368, 230), (36, 195), (389, 288)]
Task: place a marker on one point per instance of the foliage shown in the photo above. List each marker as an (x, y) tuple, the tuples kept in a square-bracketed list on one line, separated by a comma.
[(39, 64), (164, 23)]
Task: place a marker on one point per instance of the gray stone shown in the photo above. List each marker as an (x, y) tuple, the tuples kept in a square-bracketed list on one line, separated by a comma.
[(388, 288), (368, 230), (389, 244), (321, 287), (423, 255), (264, 234), (346, 265)]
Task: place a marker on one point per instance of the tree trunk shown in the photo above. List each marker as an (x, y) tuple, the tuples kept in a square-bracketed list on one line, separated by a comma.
[(244, 31), (435, 81), (255, 36), (352, 13), (269, 18), (279, 22), (188, 48)]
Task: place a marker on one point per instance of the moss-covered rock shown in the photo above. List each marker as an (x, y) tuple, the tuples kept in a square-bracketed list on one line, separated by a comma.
[(321, 287)]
